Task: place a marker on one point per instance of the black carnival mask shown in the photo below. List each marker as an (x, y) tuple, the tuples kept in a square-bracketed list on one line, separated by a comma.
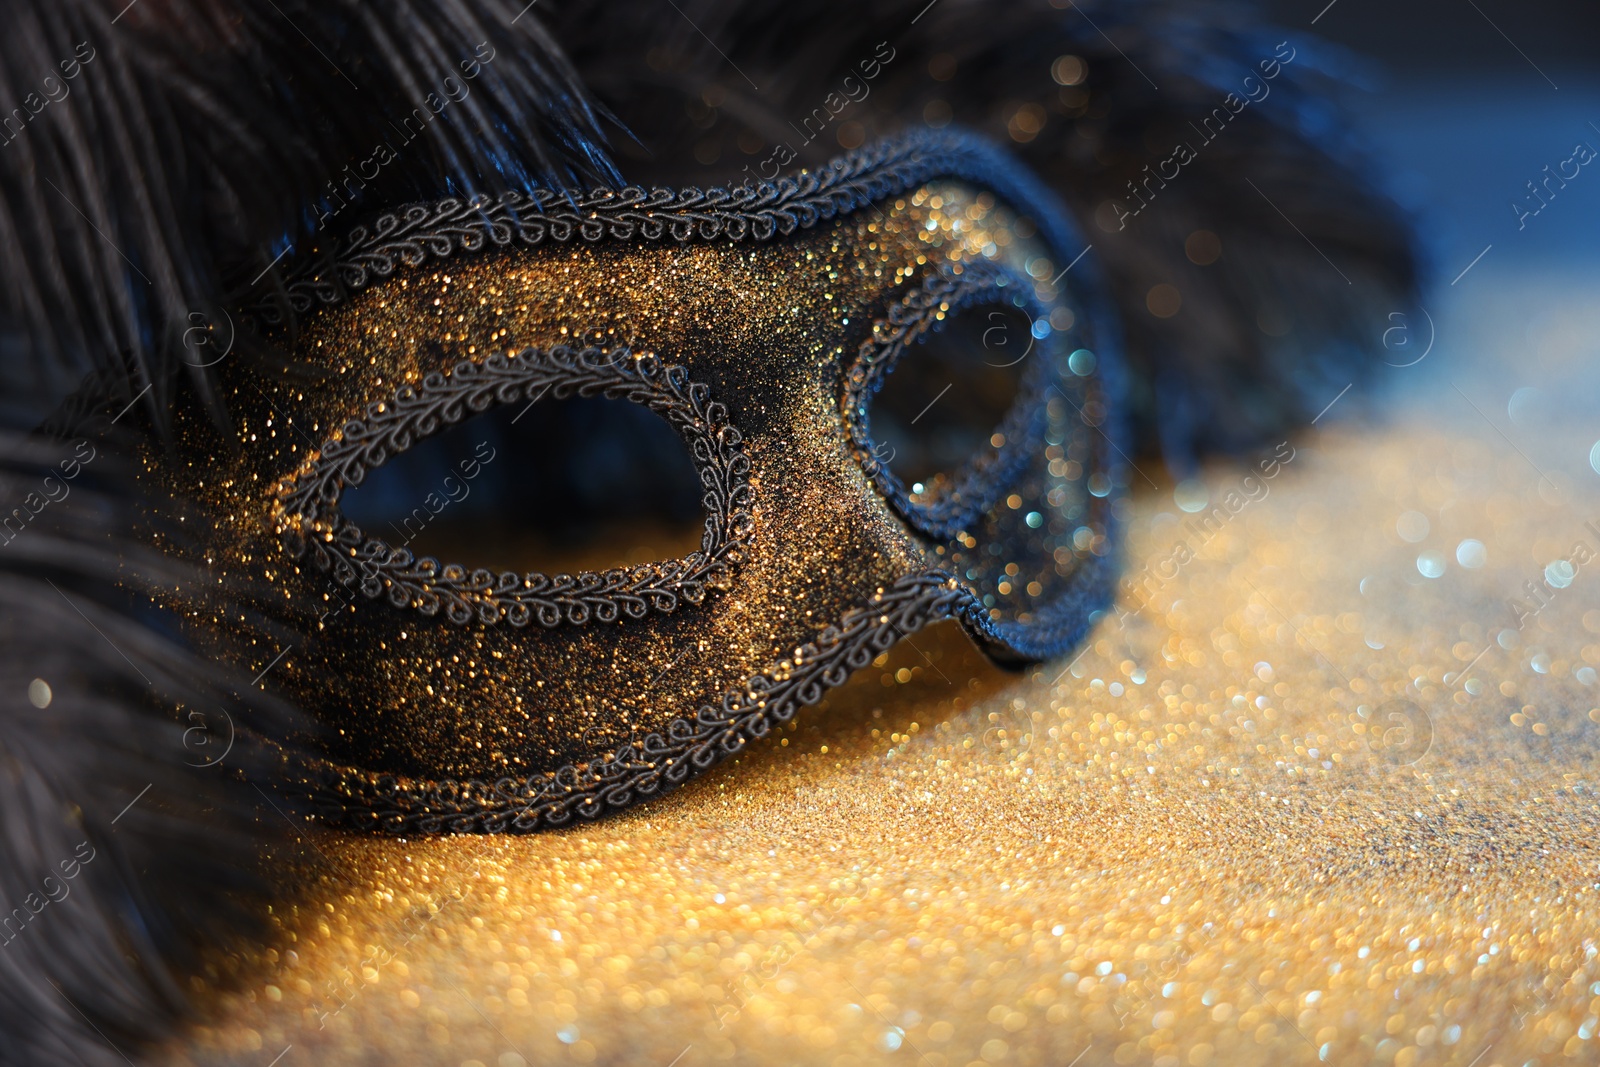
[(761, 331)]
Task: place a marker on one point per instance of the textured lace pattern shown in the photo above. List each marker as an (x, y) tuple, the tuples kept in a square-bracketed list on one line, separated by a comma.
[(310, 524), (414, 235), (951, 504), (646, 767)]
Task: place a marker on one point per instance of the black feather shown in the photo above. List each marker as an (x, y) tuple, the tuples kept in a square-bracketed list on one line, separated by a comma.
[(128, 817), (193, 142), (1314, 256), (198, 139)]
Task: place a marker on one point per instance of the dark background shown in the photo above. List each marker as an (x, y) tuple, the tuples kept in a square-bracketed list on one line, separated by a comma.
[(1415, 37), (1460, 115), (1458, 120)]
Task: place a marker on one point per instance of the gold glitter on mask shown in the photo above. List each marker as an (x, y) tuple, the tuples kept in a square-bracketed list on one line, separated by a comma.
[(462, 700)]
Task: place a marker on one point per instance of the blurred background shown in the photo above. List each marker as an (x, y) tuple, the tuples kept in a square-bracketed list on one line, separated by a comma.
[(1465, 103), (1446, 35), (1468, 101)]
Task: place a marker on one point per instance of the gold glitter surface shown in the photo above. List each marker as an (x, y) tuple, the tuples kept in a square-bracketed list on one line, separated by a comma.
[(1305, 804)]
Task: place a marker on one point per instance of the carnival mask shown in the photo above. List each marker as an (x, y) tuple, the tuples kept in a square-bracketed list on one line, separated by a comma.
[(759, 330)]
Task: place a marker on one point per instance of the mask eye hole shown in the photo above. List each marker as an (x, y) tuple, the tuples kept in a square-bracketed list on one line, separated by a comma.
[(945, 404), (582, 483), (307, 506), (948, 396)]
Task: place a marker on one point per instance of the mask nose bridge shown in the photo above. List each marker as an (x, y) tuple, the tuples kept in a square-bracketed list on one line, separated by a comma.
[(910, 553), (815, 485)]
